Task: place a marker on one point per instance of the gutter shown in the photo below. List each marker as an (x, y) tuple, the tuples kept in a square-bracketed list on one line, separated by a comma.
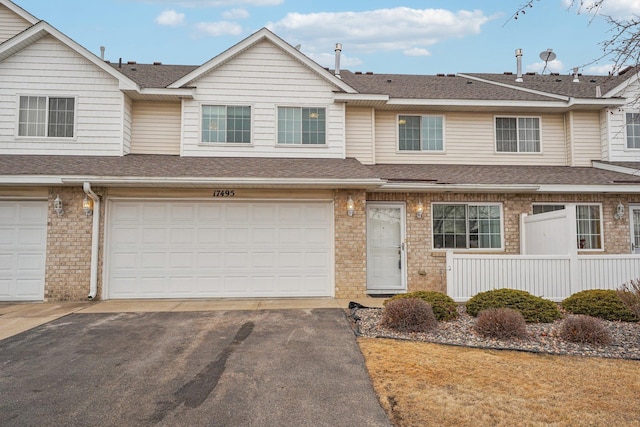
[(95, 240)]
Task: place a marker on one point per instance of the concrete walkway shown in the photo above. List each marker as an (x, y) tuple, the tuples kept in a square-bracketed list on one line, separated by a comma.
[(20, 317)]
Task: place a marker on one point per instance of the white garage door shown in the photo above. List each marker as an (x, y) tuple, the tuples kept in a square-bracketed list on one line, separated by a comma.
[(23, 245), (160, 249)]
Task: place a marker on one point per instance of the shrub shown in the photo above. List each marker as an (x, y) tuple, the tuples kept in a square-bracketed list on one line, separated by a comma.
[(501, 323), (629, 294), (602, 303), (408, 315), (580, 328), (443, 306), (532, 308)]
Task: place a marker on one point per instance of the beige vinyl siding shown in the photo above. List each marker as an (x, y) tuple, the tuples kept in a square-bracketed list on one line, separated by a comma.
[(569, 136), (359, 134), (10, 24), (264, 78), (156, 128), (604, 134), (470, 139), (586, 137), (127, 118), (49, 68)]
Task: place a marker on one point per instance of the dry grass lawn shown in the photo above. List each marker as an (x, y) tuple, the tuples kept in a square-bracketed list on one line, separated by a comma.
[(423, 384)]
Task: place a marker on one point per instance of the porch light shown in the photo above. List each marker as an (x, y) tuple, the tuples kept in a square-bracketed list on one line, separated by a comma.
[(87, 206), (419, 210), (402, 122), (350, 206), (619, 211), (57, 205)]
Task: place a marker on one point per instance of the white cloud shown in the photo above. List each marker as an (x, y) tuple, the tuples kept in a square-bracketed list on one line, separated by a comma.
[(615, 8), (555, 66), (416, 51), (170, 18), (398, 29), (600, 69), (220, 28), (235, 14), (215, 3)]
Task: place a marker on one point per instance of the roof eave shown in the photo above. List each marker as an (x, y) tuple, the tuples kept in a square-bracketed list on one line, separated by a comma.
[(192, 182)]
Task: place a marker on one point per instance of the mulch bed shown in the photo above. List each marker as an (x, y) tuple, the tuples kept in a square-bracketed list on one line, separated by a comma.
[(543, 337)]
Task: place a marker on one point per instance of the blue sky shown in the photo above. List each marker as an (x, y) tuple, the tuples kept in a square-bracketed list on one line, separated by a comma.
[(406, 37)]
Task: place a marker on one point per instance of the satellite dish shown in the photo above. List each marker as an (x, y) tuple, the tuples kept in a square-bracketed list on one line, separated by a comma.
[(547, 56)]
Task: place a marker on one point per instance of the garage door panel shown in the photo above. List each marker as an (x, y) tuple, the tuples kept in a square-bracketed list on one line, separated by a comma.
[(211, 249), (211, 236), (23, 241)]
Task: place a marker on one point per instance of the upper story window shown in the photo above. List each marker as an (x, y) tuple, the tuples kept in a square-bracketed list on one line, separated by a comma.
[(467, 226), (46, 116), (588, 221), (226, 123), (420, 133), (305, 126), (633, 130), (518, 134)]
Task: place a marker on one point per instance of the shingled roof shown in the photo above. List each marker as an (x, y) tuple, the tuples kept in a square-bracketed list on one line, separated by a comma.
[(153, 75), (501, 175), (434, 87), (162, 166)]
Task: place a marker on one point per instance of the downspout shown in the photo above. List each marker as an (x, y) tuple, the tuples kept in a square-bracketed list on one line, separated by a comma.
[(95, 240)]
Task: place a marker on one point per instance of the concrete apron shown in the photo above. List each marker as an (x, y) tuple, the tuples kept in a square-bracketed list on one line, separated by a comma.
[(20, 317)]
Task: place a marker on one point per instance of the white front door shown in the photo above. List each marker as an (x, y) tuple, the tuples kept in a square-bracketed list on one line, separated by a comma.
[(634, 212), (385, 248)]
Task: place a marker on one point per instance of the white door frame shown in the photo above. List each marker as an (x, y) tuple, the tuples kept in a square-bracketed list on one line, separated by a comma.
[(402, 246), (632, 248)]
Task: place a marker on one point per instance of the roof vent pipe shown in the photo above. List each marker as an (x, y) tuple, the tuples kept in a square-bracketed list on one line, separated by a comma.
[(102, 52), (338, 50), (575, 75), (519, 65)]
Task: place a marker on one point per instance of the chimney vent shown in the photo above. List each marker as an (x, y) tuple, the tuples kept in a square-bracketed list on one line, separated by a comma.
[(338, 51), (575, 75), (102, 52), (519, 65)]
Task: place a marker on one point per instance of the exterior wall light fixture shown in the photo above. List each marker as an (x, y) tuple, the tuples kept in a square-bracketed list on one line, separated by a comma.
[(87, 206), (619, 211), (57, 205), (350, 206), (419, 210)]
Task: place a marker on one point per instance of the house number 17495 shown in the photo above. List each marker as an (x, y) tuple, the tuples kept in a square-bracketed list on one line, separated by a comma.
[(224, 193)]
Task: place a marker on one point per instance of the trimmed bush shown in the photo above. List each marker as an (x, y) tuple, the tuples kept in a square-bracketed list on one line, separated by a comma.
[(583, 329), (629, 294), (602, 303), (501, 323), (534, 309), (408, 315), (443, 306)]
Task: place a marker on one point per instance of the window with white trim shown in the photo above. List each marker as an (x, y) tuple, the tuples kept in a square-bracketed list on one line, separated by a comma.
[(633, 130), (466, 226), (306, 126), (46, 116), (517, 134), (588, 221), (420, 133), (226, 124)]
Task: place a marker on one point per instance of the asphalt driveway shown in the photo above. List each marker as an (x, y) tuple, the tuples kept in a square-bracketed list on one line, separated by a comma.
[(222, 368)]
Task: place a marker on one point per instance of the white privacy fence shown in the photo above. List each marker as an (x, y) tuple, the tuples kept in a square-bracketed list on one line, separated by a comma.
[(553, 277)]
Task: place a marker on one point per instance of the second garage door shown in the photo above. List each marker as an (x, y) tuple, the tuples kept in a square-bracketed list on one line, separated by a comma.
[(159, 249)]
